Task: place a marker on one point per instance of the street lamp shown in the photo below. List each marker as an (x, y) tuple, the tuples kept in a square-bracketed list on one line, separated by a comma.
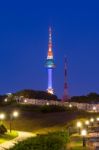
[(2, 117), (83, 134), (87, 123), (79, 125), (92, 120), (97, 120), (13, 115)]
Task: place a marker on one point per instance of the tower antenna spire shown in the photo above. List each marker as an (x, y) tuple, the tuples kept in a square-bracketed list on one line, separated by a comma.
[(50, 39)]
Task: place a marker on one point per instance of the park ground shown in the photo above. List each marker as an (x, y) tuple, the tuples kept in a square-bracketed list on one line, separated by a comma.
[(31, 120)]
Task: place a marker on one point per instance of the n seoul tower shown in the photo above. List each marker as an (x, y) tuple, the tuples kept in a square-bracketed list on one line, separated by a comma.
[(50, 63)]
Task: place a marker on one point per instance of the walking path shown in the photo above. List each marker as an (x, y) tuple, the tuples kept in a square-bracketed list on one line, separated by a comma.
[(21, 136)]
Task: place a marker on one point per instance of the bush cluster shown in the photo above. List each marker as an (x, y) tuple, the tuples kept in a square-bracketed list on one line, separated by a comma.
[(3, 129), (51, 141)]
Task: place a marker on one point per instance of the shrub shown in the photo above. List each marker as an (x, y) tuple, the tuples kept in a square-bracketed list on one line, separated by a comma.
[(2, 129), (51, 141)]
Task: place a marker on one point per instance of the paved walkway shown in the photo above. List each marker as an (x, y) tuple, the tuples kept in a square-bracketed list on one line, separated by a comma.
[(21, 136)]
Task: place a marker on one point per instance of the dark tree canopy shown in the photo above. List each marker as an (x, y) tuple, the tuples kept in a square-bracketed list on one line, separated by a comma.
[(89, 98), (36, 94)]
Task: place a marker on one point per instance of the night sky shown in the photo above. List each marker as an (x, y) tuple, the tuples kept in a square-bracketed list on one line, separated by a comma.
[(24, 44)]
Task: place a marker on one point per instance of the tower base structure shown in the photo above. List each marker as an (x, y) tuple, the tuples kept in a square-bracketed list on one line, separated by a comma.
[(51, 91), (65, 98)]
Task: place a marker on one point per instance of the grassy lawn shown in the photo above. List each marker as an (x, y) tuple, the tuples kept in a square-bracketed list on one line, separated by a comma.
[(34, 121), (30, 119), (76, 143), (8, 136)]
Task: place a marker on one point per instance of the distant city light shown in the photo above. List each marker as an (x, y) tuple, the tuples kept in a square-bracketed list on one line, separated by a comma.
[(5, 99), (94, 108), (70, 105), (25, 101), (47, 103)]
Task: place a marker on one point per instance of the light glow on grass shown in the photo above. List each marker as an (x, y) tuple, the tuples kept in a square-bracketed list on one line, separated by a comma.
[(76, 143), (8, 136)]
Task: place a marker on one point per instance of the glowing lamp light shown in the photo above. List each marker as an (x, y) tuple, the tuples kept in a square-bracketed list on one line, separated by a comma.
[(47, 103), (86, 122), (5, 99), (70, 105), (15, 114), (92, 120), (97, 119), (84, 132), (2, 116), (94, 108), (25, 101), (79, 124)]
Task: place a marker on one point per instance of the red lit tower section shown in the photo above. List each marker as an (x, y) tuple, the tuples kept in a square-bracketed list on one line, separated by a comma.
[(65, 95)]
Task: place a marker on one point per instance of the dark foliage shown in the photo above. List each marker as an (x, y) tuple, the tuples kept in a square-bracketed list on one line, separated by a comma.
[(36, 95), (2, 97), (51, 141), (56, 108), (90, 98), (3, 129)]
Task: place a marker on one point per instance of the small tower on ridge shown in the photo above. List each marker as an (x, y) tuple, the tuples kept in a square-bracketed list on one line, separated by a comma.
[(65, 95)]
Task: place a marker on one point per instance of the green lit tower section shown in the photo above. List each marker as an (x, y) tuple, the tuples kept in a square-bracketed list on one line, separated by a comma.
[(50, 63)]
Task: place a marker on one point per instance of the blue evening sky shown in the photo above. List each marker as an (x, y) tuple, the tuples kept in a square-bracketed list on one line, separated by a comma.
[(24, 44)]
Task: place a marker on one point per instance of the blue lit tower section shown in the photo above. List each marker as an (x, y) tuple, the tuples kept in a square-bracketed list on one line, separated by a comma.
[(50, 63)]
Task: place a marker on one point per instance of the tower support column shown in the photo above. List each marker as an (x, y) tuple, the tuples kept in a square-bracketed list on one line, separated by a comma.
[(50, 89)]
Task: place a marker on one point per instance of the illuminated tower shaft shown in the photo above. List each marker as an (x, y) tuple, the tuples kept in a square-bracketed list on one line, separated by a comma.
[(50, 63), (50, 78)]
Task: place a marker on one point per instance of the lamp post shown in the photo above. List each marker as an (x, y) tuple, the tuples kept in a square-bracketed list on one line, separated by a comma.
[(79, 125), (87, 123), (97, 120), (83, 134), (2, 117), (13, 115), (92, 120)]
